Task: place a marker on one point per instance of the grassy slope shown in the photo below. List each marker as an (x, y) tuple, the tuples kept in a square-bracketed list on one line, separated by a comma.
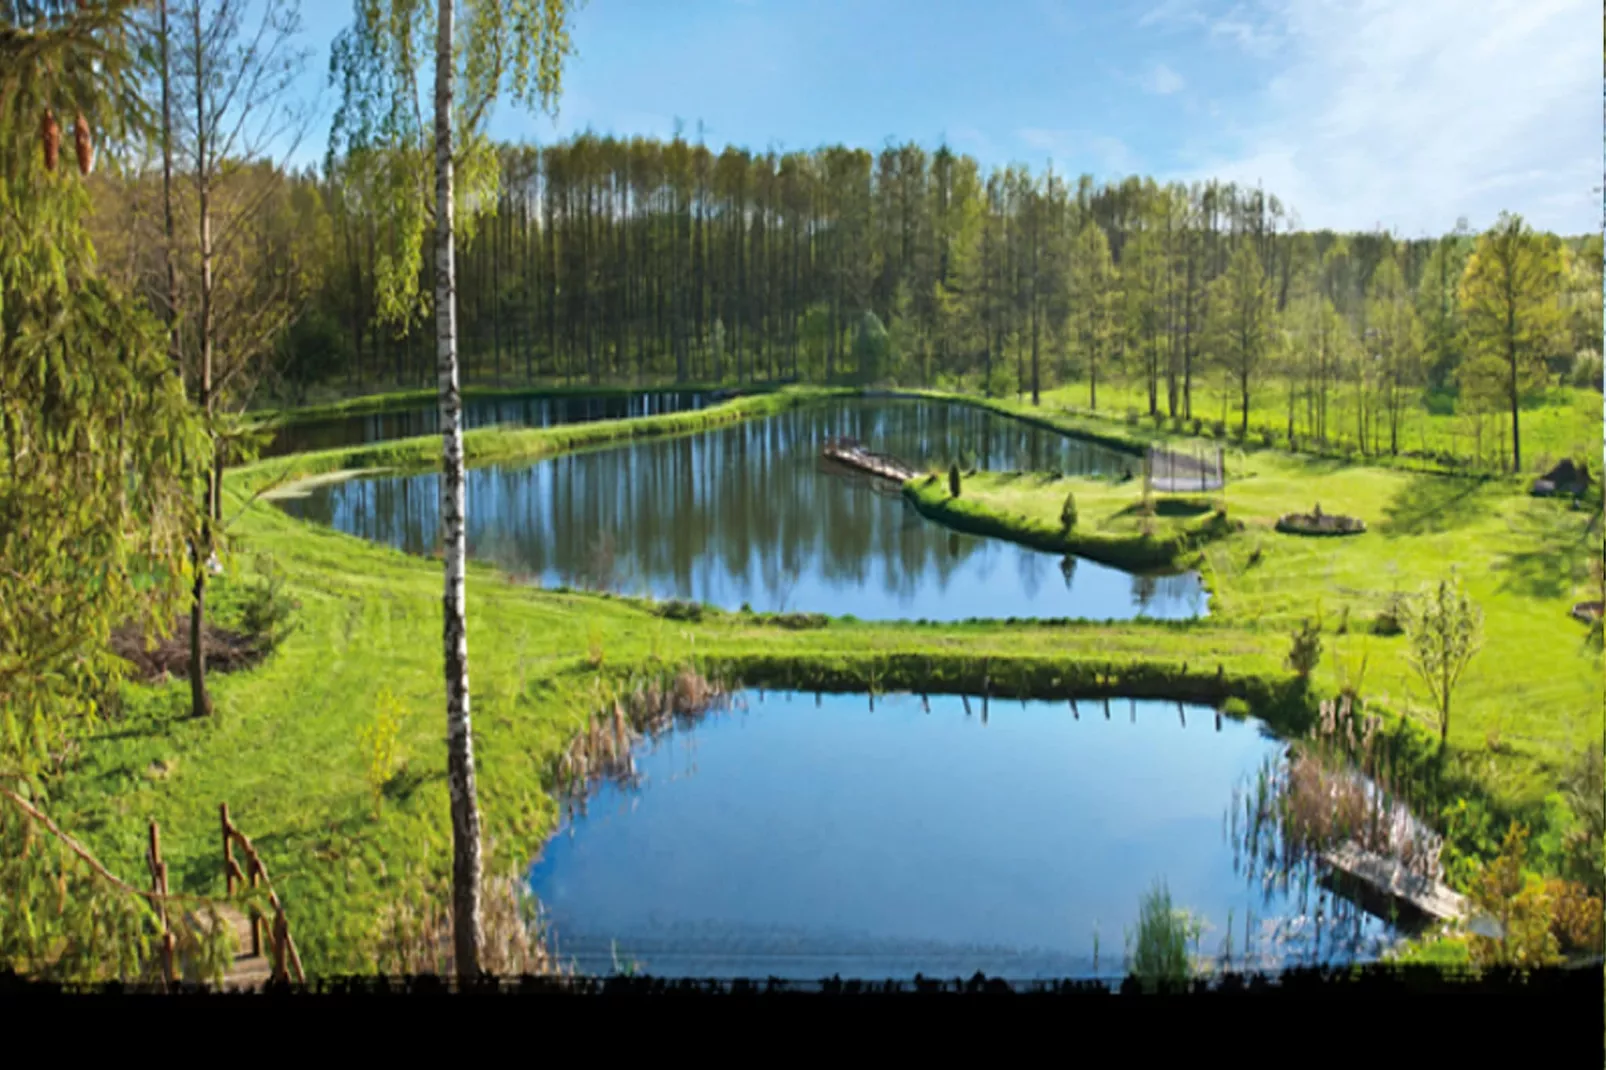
[(284, 751)]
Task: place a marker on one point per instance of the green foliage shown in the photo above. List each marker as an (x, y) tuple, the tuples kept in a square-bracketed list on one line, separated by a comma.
[(1068, 513), (1158, 954), (512, 46), (1521, 905), (100, 454), (1444, 627), (1306, 652), (872, 349), (678, 609), (1512, 320), (268, 606), (379, 743)]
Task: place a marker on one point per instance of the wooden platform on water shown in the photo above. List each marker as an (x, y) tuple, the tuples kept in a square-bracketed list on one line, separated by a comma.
[(852, 455), (1392, 882)]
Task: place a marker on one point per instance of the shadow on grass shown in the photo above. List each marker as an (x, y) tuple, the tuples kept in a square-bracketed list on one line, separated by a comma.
[(1169, 507), (1545, 554), (1429, 505)]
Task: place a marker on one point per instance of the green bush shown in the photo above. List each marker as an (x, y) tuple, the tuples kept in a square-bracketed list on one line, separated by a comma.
[(266, 607), (1306, 652), (1068, 513)]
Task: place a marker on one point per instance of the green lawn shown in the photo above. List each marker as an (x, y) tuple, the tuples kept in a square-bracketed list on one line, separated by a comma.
[(1535, 686), (284, 751), (1564, 421)]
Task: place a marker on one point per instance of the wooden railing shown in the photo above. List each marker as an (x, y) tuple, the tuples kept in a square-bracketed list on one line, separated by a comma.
[(285, 956), (286, 959), (158, 870)]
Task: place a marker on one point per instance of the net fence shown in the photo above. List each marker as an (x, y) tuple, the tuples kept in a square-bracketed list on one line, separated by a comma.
[(1172, 471)]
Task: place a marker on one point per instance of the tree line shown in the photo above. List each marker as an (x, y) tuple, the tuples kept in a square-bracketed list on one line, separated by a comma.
[(602, 259)]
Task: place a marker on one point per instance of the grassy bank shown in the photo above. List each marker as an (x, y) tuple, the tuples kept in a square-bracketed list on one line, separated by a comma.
[(284, 750), (981, 510), (403, 400), (491, 444)]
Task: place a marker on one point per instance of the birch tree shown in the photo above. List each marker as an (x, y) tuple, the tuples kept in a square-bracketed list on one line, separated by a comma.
[(511, 46)]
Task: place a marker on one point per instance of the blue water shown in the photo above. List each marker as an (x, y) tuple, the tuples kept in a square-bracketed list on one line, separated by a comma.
[(746, 514), (801, 842)]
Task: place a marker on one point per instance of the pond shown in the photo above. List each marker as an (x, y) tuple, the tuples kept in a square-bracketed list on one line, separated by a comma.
[(747, 514), (802, 837), (344, 431)]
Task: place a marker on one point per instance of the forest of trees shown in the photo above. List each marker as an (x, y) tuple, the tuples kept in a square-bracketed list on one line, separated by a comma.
[(607, 260)]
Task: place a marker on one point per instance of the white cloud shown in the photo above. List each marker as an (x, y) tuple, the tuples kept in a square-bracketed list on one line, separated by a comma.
[(1414, 113), (1162, 80), (1075, 149)]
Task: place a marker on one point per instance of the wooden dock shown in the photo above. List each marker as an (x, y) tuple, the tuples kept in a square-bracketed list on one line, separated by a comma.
[(851, 454), (1394, 884)]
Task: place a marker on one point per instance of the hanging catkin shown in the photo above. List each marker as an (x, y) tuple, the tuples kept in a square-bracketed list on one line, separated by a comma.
[(82, 142), (50, 136)]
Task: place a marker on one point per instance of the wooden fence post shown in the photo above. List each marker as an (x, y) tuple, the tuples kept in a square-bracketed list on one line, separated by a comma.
[(256, 915), (228, 852), (159, 886)]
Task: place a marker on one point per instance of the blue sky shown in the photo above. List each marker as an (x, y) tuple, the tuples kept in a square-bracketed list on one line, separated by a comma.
[(1404, 114)]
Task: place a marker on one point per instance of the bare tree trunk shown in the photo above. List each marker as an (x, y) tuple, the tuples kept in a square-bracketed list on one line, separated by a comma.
[(466, 921), (167, 200), (200, 701)]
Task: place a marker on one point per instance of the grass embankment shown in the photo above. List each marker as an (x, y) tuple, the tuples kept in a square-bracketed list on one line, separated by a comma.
[(284, 749), (403, 400), (492, 444), (995, 514)]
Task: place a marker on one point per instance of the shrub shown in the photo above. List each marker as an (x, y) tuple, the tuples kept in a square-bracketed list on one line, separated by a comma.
[(1132, 417), (953, 481), (1218, 428), (1575, 918), (1586, 370), (1176, 423), (678, 609), (1235, 707), (267, 607), (1197, 424), (1268, 439), (1391, 620), (1306, 652), (1520, 904), (1068, 513), (378, 743)]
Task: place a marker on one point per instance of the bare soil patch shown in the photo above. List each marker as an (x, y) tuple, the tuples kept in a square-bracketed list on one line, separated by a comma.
[(226, 650)]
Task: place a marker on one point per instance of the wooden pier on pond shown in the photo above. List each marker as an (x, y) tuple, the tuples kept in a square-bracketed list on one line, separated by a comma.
[(850, 454), (1392, 883)]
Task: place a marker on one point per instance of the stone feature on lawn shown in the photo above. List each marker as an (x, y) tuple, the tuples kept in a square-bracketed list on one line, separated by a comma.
[(1317, 522)]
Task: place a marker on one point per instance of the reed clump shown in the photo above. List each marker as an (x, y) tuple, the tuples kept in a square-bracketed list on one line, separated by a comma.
[(415, 931), (643, 708), (1337, 786)]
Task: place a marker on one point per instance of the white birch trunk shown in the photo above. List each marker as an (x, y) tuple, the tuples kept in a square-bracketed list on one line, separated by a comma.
[(466, 919)]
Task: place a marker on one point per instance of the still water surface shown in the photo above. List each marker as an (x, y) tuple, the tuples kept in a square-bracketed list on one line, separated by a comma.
[(802, 841), (345, 431), (746, 514)]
